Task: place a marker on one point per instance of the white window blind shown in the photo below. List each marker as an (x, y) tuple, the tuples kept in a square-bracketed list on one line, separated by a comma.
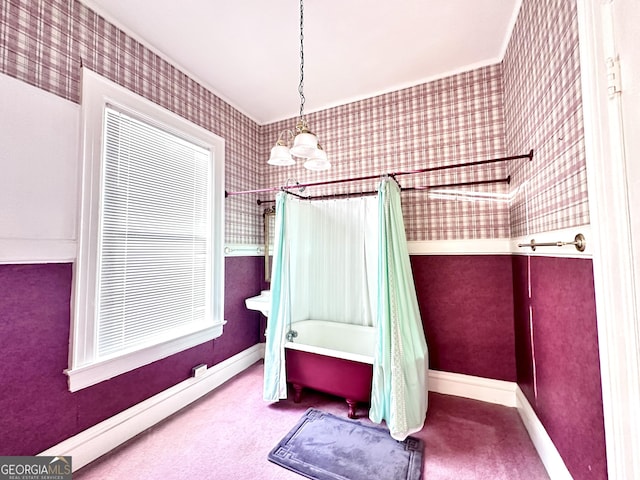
[(149, 274), (154, 266)]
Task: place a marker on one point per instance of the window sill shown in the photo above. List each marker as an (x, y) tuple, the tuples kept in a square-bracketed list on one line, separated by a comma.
[(87, 375)]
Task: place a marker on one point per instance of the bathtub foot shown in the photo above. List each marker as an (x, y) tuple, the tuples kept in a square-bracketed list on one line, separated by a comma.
[(352, 408), (297, 393)]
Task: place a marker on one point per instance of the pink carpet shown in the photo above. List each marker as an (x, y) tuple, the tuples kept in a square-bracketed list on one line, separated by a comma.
[(229, 433)]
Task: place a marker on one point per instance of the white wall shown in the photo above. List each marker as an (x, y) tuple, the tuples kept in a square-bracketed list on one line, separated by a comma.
[(39, 158)]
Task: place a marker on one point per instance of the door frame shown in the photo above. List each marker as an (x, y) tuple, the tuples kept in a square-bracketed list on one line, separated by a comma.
[(613, 249)]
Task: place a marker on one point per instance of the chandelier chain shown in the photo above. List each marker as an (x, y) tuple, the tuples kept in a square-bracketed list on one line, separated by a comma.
[(299, 142), (301, 85)]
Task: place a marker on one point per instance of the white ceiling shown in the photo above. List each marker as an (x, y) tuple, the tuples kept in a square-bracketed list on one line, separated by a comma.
[(247, 51)]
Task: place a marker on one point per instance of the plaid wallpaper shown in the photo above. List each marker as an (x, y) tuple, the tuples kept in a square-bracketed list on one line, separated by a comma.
[(530, 101), (444, 122), (543, 111), (43, 43)]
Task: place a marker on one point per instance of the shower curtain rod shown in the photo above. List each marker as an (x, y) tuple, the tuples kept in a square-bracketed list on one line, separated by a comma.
[(392, 175), (402, 189)]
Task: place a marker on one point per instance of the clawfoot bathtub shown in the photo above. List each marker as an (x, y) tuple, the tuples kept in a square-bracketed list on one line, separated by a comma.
[(331, 357)]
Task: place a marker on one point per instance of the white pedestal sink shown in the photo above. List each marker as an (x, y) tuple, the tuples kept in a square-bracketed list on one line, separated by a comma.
[(261, 302)]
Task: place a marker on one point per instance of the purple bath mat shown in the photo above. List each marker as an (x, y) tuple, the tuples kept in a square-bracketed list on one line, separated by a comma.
[(325, 447)]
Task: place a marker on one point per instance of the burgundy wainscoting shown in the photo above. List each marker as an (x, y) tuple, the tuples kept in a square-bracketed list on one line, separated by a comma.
[(560, 375), (38, 411), (37, 408), (521, 302), (466, 303), (244, 278)]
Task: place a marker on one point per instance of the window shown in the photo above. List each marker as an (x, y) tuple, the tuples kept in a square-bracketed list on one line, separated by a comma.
[(148, 281)]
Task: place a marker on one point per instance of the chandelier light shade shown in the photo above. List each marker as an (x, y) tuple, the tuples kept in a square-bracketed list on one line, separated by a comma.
[(280, 154), (318, 161), (305, 145), (301, 142)]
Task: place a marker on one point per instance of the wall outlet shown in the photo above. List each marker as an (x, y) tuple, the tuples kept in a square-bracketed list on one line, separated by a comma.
[(199, 370)]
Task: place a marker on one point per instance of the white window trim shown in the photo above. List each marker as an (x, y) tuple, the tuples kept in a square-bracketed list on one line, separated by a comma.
[(83, 370)]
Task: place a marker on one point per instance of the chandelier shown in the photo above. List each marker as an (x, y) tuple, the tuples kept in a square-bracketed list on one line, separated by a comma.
[(300, 142)]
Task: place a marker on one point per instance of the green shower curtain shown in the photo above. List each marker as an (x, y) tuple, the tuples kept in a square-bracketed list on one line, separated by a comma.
[(275, 381), (399, 387)]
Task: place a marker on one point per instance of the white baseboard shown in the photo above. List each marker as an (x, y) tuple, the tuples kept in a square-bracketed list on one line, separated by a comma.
[(105, 436), (477, 388), (510, 395), (547, 451), (98, 440)]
